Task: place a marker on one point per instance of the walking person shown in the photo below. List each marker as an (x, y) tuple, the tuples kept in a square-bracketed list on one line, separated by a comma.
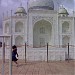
[(14, 54)]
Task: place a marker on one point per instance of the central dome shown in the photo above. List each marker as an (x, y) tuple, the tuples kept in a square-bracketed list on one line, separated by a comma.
[(41, 4)]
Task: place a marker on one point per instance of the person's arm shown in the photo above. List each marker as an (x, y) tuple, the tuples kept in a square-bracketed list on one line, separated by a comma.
[(17, 54)]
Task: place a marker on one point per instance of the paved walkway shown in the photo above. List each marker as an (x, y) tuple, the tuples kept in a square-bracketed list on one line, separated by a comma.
[(41, 68)]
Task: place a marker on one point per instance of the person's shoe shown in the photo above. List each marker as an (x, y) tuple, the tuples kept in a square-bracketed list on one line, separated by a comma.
[(17, 65)]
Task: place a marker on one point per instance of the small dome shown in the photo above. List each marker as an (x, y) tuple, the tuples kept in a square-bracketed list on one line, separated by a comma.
[(20, 10), (41, 4), (62, 10)]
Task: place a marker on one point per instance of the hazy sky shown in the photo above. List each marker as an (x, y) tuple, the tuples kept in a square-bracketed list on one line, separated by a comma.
[(12, 4), (7, 5)]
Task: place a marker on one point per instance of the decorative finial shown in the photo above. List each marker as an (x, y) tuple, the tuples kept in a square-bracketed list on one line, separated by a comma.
[(61, 6)]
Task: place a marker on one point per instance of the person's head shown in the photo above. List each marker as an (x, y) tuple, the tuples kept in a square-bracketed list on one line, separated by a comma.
[(14, 47)]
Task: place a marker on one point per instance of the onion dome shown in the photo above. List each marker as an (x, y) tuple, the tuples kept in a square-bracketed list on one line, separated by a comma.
[(41, 4), (63, 11), (20, 11)]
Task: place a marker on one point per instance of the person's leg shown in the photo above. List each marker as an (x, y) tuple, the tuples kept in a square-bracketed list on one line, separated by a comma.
[(16, 63)]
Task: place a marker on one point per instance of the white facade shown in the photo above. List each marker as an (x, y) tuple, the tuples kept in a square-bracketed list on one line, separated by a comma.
[(41, 25)]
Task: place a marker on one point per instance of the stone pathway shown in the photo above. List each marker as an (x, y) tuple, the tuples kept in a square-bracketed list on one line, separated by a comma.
[(41, 68)]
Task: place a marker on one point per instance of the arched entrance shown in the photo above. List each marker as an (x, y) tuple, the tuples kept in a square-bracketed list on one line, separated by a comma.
[(42, 33)]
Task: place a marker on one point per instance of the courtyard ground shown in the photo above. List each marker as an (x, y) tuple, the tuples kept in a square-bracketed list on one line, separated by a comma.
[(40, 68)]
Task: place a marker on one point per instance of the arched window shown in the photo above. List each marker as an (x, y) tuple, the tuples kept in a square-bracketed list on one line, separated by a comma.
[(65, 41), (19, 27), (42, 30), (7, 28), (19, 40), (7, 41), (65, 27)]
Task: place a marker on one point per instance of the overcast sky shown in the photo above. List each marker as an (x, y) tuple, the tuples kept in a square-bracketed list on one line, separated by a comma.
[(12, 4), (7, 5)]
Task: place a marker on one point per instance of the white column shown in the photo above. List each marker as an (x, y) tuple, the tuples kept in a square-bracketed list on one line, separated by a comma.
[(30, 31), (55, 22)]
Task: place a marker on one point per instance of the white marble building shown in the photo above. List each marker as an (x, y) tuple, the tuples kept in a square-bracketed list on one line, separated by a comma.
[(40, 25)]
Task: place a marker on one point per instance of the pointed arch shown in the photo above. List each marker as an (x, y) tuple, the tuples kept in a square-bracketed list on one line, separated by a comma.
[(65, 27), (19, 26), (7, 28), (19, 40), (7, 41), (42, 33), (65, 41)]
